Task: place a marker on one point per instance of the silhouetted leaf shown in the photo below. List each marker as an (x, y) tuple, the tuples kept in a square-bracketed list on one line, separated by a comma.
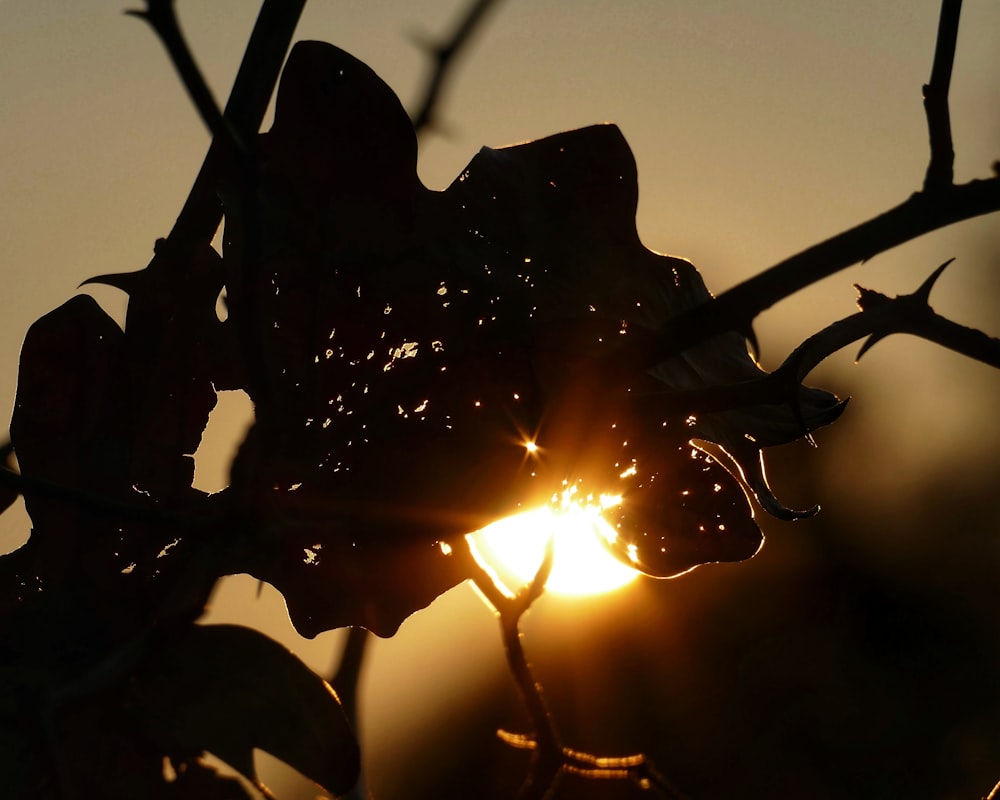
[(415, 340), (228, 689), (109, 460)]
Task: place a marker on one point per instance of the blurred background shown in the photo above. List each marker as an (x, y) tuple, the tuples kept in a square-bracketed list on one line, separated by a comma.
[(857, 655)]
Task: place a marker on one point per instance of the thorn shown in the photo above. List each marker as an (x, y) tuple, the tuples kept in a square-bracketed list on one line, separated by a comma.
[(126, 281), (869, 298), (924, 292), (869, 343)]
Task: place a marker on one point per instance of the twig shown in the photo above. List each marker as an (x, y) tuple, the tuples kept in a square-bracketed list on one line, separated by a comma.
[(443, 56), (161, 17), (736, 308), (940, 170), (228, 140), (881, 316), (550, 758), (993, 795), (248, 101), (941, 203), (345, 684)]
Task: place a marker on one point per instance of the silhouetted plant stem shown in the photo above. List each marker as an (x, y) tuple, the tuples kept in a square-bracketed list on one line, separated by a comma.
[(251, 93), (160, 15), (736, 308), (443, 56), (345, 683), (940, 170), (941, 203), (232, 142), (550, 758)]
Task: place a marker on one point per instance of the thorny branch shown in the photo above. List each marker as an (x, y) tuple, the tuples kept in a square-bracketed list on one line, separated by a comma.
[(248, 101), (251, 93), (879, 316), (550, 758), (941, 203), (736, 308), (161, 17)]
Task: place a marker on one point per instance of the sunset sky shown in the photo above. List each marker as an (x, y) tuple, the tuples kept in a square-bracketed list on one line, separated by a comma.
[(759, 128)]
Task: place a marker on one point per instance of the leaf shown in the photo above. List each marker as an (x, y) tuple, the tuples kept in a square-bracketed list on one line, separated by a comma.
[(229, 689), (415, 340), (102, 551), (67, 364)]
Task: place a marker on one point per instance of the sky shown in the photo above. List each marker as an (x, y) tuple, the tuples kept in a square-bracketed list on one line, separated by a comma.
[(758, 127)]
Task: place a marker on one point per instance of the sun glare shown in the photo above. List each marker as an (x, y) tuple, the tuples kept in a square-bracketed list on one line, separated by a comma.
[(512, 549)]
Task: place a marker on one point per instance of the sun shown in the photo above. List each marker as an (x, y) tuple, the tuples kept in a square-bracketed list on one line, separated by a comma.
[(512, 548)]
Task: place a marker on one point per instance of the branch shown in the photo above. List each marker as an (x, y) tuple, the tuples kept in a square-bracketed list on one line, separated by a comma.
[(255, 81), (161, 17), (442, 56), (258, 72), (941, 203), (550, 758), (736, 308), (881, 316), (345, 684), (940, 169)]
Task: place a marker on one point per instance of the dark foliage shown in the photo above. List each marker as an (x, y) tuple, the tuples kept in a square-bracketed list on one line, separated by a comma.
[(401, 347)]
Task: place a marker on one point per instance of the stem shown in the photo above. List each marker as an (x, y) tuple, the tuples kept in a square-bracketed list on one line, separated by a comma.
[(736, 308), (255, 81), (160, 14), (940, 170), (443, 56), (345, 683)]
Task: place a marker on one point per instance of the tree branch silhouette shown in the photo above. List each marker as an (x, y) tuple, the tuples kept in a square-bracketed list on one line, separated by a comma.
[(550, 758), (736, 308), (443, 57), (252, 89), (940, 172), (941, 203), (879, 316)]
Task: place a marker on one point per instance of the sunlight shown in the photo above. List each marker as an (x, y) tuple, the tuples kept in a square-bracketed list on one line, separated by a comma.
[(512, 549)]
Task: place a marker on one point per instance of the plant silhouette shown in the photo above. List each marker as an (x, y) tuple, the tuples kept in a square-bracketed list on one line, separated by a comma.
[(400, 346)]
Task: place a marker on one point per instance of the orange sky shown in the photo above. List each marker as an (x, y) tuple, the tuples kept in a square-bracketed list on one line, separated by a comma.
[(758, 128)]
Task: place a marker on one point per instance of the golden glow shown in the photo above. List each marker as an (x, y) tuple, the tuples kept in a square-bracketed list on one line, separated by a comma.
[(512, 549), (531, 447)]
